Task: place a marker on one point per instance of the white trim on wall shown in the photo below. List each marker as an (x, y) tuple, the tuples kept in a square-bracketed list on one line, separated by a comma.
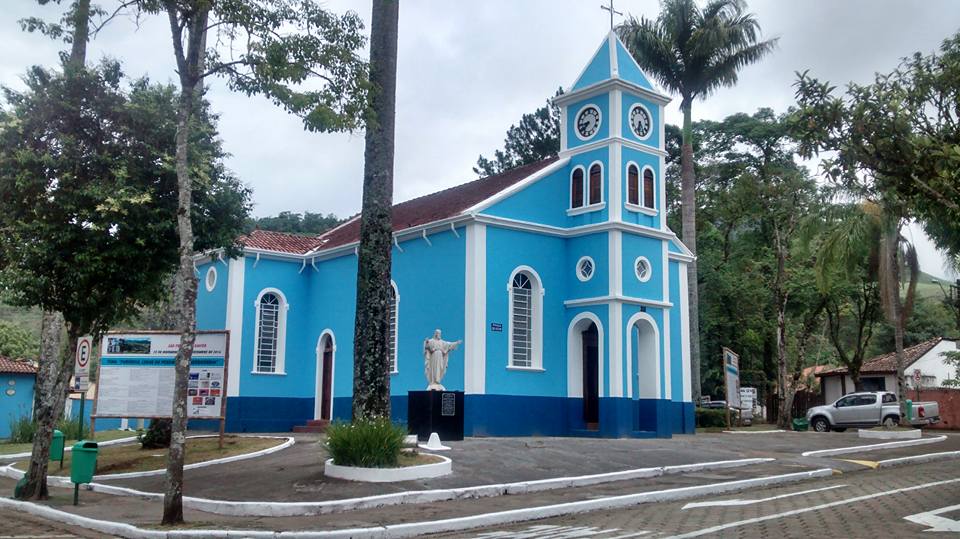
[(627, 143), (280, 361), (234, 321), (475, 312), (616, 182), (649, 274), (318, 404), (616, 349), (210, 279), (575, 355), (666, 322), (643, 391), (685, 334), (537, 292), (396, 332)]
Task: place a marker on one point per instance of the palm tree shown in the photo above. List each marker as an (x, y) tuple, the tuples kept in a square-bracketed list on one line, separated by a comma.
[(693, 52), (878, 228), (371, 366)]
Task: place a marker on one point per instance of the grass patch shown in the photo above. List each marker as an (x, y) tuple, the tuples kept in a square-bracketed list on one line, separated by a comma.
[(102, 436), (131, 458)]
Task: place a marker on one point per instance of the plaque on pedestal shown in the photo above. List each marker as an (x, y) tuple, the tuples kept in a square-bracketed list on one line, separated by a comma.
[(435, 411)]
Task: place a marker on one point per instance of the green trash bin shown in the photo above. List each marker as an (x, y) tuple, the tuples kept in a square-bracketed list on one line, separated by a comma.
[(83, 463), (909, 407), (800, 424), (56, 446)]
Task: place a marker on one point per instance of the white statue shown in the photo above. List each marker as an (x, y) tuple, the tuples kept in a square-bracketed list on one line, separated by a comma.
[(436, 353)]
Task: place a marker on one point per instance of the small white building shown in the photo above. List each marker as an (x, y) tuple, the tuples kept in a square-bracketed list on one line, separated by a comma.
[(880, 373)]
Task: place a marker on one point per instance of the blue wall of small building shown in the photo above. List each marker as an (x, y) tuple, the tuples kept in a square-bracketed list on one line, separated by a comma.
[(20, 404), (212, 304)]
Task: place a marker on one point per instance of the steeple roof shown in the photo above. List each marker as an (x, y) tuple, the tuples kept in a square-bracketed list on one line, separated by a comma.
[(612, 61)]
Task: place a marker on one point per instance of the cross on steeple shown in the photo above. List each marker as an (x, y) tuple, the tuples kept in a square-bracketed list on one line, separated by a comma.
[(612, 12)]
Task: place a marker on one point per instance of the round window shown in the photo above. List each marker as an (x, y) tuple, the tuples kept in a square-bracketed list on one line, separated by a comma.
[(585, 267), (643, 269), (211, 279)]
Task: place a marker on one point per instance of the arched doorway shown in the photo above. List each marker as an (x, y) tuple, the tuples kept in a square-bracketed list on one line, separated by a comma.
[(326, 348), (584, 359), (643, 349)]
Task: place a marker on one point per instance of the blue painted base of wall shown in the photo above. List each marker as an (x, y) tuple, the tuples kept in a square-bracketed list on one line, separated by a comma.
[(489, 415), (267, 414)]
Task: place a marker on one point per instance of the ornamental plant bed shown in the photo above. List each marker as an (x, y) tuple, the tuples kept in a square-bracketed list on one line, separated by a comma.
[(131, 458)]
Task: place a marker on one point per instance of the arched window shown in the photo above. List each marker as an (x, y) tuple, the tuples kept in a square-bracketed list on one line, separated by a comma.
[(576, 188), (633, 185), (392, 333), (526, 319), (271, 331), (596, 184), (648, 199)]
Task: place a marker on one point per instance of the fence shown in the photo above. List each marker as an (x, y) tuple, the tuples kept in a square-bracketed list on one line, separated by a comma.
[(802, 401), (949, 401)]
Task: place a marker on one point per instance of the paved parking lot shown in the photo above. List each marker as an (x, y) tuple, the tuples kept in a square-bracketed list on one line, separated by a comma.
[(858, 504), (14, 524)]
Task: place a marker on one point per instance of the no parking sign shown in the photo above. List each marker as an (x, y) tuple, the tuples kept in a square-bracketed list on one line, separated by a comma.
[(81, 371)]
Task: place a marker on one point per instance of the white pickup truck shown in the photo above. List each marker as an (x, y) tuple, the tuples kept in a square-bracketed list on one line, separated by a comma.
[(868, 409)]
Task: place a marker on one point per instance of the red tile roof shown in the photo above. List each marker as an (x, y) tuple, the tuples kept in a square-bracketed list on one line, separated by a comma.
[(16, 366), (440, 205), (887, 363), (279, 241)]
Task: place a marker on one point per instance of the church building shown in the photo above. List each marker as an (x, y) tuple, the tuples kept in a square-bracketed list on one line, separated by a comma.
[(561, 278)]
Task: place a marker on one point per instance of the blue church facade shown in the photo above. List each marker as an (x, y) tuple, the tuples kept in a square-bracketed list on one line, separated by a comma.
[(561, 277)]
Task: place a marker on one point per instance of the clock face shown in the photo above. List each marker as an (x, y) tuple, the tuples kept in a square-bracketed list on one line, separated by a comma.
[(588, 122), (640, 121)]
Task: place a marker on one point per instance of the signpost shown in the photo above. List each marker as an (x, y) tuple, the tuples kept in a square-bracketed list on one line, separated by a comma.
[(917, 379), (137, 375), (731, 380), (81, 375)]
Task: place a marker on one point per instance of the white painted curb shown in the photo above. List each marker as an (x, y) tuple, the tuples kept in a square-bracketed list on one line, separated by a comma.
[(873, 447), (912, 434), (414, 529), (58, 480), (289, 509), (754, 431), (917, 459), (118, 441), (388, 475)]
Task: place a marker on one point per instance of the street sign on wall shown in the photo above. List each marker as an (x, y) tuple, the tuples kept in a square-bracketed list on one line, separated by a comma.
[(81, 369), (731, 375)]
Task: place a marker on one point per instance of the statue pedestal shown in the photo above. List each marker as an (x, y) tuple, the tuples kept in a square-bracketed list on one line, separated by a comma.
[(435, 411)]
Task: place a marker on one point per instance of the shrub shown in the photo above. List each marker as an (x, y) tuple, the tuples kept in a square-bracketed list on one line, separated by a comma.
[(157, 435), (22, 429), (71, 429), (372, 443), (711, 417)]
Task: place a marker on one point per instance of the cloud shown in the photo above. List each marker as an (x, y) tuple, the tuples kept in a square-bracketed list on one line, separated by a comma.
[(468, 70)]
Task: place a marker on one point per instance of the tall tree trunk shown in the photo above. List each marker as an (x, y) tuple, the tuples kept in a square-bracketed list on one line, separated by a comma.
[(190, 66), (688, 212), (56, 364), (45, 414), (780, 298), (81, 33), (893, 309), (371, 364)]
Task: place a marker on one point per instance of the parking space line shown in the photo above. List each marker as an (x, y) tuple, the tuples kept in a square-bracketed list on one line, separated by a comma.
[(727, 503), (721, 527)]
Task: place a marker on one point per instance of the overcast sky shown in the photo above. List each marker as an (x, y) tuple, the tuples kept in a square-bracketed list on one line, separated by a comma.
[(467, 70)]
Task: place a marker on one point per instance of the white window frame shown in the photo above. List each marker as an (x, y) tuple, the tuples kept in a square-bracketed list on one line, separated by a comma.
[(210, 279), (576, 116), (592, 271), (395, 360), (636, 262), (640, 208), (279, 366), (536, 342), (587, 206), (583, 186), (649, 114)]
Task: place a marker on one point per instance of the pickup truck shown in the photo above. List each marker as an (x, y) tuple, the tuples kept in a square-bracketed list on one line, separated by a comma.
[(868, 409)]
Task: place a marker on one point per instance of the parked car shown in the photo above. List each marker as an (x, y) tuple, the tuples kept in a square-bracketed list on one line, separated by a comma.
[(868, 409)]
